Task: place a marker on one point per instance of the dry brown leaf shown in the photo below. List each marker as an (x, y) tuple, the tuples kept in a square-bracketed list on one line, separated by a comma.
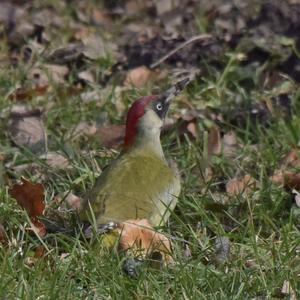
[(192, 129), (55, 160), (214, 142), (74, 201), (26, 128), (39, 251), (291, 160), (111, 136), (84, 128), (291, 180), (101, 17), (287, 179), (57, 73), (31, 198), (237, 186), (97, 48), (133, 7), (163, 6), (67, 54), (87, 76), (139, 237), (139, 77)]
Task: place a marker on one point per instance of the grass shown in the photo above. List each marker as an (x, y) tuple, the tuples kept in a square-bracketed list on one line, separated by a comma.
[(263, 226)]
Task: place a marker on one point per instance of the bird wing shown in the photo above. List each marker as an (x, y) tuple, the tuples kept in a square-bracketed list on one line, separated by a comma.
[(136, 186)]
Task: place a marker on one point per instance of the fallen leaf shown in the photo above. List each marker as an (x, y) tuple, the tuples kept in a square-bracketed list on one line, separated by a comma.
[(278, 177), (84, 128), (214, 146), (111, 136), (230, 144), (86, 76), (31, 198), (291, 159), (287, 179), (95, 47), (74, 201), (139, 77), (26, 129), (291, 180), (55, 160), (246, 184), (101, 17), (288, 290), (68, 54), (163, 6), (39, 251), (140, 238), (192, 129)]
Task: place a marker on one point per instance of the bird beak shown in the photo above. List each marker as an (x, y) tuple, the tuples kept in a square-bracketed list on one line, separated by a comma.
[(175, 90)]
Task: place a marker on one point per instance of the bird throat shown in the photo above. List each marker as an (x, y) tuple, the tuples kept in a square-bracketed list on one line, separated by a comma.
[(148, 142)]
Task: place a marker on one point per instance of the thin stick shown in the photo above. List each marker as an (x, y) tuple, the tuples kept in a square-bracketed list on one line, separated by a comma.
[(182, 45)]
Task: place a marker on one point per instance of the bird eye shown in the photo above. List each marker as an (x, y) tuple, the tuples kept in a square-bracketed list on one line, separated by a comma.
[(159, 106)]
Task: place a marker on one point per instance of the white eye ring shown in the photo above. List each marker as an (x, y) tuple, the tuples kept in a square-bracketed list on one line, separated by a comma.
[(159, 106)]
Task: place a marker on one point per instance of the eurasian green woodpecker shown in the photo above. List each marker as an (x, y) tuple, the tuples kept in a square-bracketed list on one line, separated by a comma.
[(139, 184)]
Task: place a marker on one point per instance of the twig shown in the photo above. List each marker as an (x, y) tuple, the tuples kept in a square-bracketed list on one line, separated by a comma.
[(182, 45)]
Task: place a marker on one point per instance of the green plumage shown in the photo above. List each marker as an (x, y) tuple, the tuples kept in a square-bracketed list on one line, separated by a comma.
[(136, 185)]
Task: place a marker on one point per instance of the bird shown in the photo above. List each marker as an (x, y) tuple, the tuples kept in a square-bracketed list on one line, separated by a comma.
[(139, 184)]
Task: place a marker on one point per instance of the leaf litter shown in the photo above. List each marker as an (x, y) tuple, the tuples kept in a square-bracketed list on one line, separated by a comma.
[(143, 53)]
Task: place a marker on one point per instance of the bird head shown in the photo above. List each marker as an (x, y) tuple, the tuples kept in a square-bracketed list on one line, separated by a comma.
[(146, 115)]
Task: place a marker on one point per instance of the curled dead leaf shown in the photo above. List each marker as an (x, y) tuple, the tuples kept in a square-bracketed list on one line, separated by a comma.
[(111, 136), (25, 128), (95, 47), (291, 160), (55, 160), (139, 77), (74, 201), (237, 186), (192, 129), (39, 251), (84, 128), (287, 179), (140, 238), (230, 144), (31, 198)]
